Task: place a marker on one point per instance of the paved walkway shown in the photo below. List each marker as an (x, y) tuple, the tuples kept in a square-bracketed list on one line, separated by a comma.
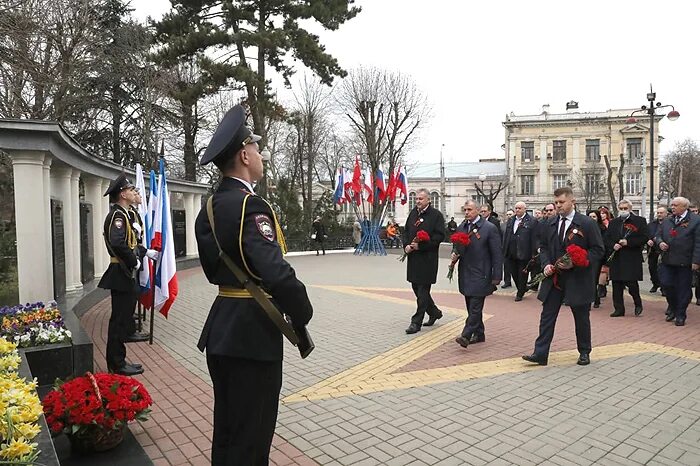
[(370, 394)]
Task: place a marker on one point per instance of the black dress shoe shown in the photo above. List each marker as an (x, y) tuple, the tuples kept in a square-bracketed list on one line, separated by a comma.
[(413, 328), (583, 359), (654, 289), (477, 339), (670, 317), (126, 369), (596, 305), (535, 359), (134, 364), (432, 319), (697, 302), (463, 342), (638, 310), (663, 293), (137, 337), (617, 313), (505, 285), (680, 322), (518, 298)]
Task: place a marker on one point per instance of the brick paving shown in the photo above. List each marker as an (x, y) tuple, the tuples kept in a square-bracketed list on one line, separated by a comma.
[(370, 394)]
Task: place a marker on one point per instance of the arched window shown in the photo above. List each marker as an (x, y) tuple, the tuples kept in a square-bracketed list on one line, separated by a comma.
[(435, 200), (411, 200)]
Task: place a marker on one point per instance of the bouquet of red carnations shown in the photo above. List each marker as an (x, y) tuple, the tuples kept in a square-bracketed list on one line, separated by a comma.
[(629, 229), (457, 239), (575, 256), (421, 237)]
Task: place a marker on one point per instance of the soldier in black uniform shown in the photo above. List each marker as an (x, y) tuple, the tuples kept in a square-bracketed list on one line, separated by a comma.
[(120, 277), (243, 346)]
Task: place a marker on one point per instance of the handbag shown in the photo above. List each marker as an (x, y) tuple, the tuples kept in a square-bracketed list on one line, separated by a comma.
[(313, 235)]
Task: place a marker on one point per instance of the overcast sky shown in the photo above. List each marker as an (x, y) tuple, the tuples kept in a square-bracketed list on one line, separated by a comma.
[(478, 61)]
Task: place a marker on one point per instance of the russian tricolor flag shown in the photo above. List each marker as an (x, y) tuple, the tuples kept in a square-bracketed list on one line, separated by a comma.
[(339, 194), (402, 185), (379, 186)]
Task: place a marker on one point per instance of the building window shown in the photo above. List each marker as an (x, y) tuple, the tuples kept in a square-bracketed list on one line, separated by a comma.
[(634, 149), (527, 151), (592, 184), (592, 150), (633, 183), (411, 200), (559, 151), (527, 184), (435, 200), (559, 181)]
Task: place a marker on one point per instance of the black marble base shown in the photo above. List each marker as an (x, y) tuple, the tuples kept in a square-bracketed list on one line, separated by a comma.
[(49, 362), (127, 453)]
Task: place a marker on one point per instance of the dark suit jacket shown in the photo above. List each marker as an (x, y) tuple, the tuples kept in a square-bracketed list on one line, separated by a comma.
[(496, 223), (684, 244), (627, 262), (525, 238), (577, 283), (238, 327), (118, 233), (482, 261), (423, 263)]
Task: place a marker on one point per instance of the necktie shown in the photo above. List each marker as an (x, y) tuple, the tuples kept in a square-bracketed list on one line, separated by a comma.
[(678, 219), (562, 230)]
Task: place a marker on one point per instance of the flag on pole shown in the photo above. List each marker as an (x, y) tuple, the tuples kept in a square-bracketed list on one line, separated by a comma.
[(368, 193), (145, 272), (165, 273), (356, 175), (146, 298), (391, 186), (379, 186), (338, 194), (402, 185)]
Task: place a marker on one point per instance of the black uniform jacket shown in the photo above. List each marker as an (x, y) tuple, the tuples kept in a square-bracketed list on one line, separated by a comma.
[(423, 263), (626, 264), (683, 240), (525, 238), (577, 283), (238, 327), (121, 240)]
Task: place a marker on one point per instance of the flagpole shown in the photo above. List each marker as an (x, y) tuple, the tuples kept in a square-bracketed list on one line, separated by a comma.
[(153, 300)]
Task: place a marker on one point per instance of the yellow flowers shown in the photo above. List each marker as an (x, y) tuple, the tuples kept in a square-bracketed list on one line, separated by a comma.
[(20, 409)]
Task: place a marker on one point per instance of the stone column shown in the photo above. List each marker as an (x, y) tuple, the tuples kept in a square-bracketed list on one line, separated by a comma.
[(61, 189), (75, 281), (190, 215), (33, 226), (543, 189), (104, 210), (47, 213), (93, 196), (576, 161)]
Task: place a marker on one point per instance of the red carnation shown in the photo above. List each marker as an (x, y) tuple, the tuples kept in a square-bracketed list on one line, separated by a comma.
[(460, 238), (674, 233), (630, 227), (578, 255), (422, 236)]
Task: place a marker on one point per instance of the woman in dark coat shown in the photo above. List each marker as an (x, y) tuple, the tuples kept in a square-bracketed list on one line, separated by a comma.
[(595, 215), (319, 235)]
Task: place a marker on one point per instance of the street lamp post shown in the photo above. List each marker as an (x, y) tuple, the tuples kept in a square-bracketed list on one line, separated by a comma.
[(651, 111), (482, 178), (263, 182)]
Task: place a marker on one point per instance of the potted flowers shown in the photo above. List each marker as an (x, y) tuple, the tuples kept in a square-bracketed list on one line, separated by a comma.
[(20, 410), (93, 410)]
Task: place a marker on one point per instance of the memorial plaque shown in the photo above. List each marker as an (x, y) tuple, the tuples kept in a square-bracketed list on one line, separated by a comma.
[(58, 250), (87, 251), (179, 233)]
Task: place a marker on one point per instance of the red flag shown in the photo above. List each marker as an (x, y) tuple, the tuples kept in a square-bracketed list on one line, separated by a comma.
[(391, 187), (356, 175)]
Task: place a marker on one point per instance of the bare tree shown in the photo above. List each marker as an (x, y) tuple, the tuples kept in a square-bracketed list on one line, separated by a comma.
[(615, 179), (492, 194), (678, 177), (588, 184)]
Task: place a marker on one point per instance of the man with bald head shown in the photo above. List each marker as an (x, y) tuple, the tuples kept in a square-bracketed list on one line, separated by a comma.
[(678, 238), (519, 246)]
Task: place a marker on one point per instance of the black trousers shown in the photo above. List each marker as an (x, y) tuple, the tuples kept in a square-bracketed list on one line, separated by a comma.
[(426, 305), (475, 316), (548, 319), (320, 246), (246, 398), (677, 282), (519, 277), (654, 267), (618, 288), (120, 321)]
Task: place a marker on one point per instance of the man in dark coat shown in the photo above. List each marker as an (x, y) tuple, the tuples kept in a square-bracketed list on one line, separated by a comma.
[(451, 226), (653, 250), (519, 246), (487, 214), (679, 242), (121, 240), (319, 235), (624, 240), (506, 268), (574, 286), (480, 270), (423, 257), (243, 345)]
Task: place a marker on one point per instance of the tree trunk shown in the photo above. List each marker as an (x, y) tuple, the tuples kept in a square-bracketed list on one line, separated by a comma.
[(116, 111), (189, 128)]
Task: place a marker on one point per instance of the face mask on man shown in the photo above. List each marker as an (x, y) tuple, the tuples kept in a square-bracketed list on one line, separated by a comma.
[(624, 214)]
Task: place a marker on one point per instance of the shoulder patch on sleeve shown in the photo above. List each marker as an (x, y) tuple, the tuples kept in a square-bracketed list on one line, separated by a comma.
[(118, 222), (265, 226)]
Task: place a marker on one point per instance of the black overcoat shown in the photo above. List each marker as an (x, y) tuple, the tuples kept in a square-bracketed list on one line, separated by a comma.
[(626, 265), (481, 262), (422, 265)]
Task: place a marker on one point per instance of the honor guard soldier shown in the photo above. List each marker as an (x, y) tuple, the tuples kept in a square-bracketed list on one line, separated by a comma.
[(120, 278), (238, 236), (137, 225)]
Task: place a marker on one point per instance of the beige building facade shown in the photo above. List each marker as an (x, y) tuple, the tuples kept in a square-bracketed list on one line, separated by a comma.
[(551, 150)]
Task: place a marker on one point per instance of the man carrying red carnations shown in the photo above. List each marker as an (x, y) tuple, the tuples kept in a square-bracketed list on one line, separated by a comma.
[(570, 249), (480, 269), (422, 235)]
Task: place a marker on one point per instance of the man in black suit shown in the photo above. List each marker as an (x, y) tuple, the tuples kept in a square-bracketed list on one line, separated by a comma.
[(506, 269), (479, 272), (519, 246), (678, 238), (422, 258), (451, 226), (487, 214), (243, 345), (574, 286), (653, 250)]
